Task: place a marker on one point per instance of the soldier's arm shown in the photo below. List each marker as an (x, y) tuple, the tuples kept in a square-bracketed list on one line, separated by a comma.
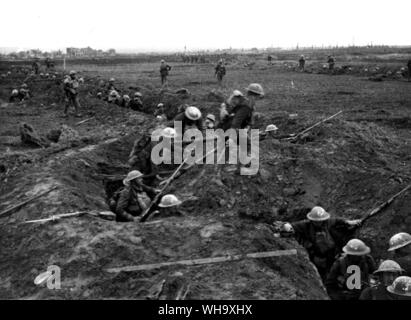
[(151, 192), (240, 116)]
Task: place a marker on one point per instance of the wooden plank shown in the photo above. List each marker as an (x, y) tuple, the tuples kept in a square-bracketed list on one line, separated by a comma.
[(193, 262)]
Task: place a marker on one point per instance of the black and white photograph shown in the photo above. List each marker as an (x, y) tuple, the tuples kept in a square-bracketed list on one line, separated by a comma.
[(202, 156)]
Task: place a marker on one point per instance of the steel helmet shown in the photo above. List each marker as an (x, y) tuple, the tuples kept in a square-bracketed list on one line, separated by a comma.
[(169, 132), (24, 85), (135, 174), (72, 72), (401, 286), (126, 97), (162, 61), (389, 266), (111, 80), (193, 113), (356, 247), (399, 240), (271, 127), (169, 200), (138, 94), (9, 72), (81, 80), (211, 117), (318, 214), (160, 105), (15, 92), (255, 88), (237, 93), (99, 94), (41, 74), (113, 93)]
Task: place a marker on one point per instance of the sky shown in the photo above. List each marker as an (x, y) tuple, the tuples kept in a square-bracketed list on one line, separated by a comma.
[(161, 25)]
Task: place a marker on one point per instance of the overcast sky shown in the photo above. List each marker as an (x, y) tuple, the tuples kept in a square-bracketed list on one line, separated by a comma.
[(171, 25)]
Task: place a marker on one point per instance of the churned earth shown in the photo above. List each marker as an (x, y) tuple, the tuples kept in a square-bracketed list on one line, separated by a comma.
[(348, 165)]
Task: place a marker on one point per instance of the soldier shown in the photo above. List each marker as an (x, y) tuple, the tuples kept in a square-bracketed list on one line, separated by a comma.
[(320, 236), (35, 66), (220, 71), (190, 118), (113, 96), (269, 131), (111, 87), (302, 63), (164, 70), (24, 92), (133, 199), (409, 69), (400, 249), (401, 288), (210, 121), (331, 63), (71, 86), (14, 97), (356, 254), (387, 272), (125, 103), (269, 59), (169, 206), (159, 112), (136, 104)]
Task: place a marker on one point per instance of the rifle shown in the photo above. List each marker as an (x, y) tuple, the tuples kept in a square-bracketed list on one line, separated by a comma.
[(384, 205), (104, 214), (295, 136)]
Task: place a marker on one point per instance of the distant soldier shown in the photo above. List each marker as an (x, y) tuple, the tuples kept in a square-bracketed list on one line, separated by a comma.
[(125, 103), (269, 59), (71, 86), (387, 272), (113, 97), (159, 112), (409, 69), (35, 66), (400, 248), (111, 86), (49, 63), (210, 121), (164, 70), (320, 235), (220, 71), (356, 257), (133, 199), (331, 63), (301, 62), (136, 104), (24, 92)]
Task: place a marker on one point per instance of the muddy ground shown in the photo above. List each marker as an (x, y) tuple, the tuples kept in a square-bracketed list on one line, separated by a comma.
[(348, 166)]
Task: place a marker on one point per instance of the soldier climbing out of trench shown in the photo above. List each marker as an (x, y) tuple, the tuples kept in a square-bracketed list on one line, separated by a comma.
[(400, 249), (320, 235), (71, 86), (356, 255), (191, 117), (387, 272), (133, 199)]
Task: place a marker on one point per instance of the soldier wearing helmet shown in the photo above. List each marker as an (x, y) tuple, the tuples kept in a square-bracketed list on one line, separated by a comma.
[(210, 121), (356, 253), (159, 112), (164, 70), (111, 87), (169, 206), (400, 250), (133, 199), (401, 288), (236, 113), (14, 97), (320, 234), (220, 71), (301, 63), (387, 272), (71, 86), (136, 103), (331, 62), (191, 117), (409, 69)]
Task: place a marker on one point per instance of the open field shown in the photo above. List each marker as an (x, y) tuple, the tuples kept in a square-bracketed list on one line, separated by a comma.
[(347, 165)]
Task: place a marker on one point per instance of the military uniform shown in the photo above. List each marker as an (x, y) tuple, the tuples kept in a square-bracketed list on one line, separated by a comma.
[(331, 63), (336, 282), (71, 90), (378, 292), (140, 156), (302, 63), (409, 69), (220, 72), (164, 69), (132, 201), (136, 104), (187, 122), (239, 117)]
